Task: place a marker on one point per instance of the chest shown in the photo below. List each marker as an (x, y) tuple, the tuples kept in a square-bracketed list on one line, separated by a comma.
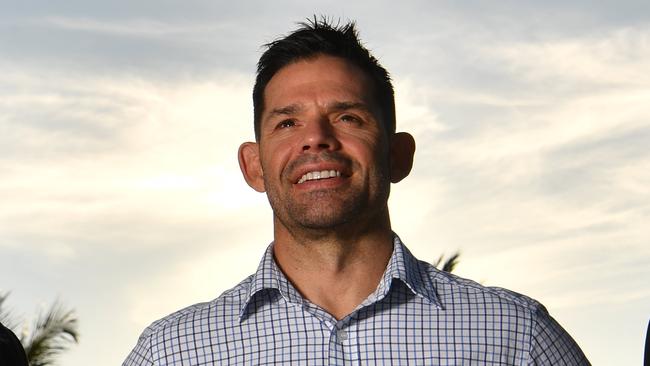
[(409, 332)]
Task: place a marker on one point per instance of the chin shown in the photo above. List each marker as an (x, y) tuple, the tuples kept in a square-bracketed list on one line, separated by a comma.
[(323, 222)]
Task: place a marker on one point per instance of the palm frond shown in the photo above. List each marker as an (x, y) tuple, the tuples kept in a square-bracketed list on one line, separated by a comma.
[(54, 331), (7, 318), (449, 264)]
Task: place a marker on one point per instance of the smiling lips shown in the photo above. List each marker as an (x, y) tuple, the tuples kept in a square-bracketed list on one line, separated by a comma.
[(323, 174)]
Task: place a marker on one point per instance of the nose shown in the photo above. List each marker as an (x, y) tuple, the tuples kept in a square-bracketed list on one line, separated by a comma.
[(319, 134)]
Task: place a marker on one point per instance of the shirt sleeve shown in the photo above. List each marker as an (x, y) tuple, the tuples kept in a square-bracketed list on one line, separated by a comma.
[(552, 345), (140, 355)]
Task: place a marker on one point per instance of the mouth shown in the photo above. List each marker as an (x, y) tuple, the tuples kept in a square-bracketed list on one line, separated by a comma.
[(318, 175)]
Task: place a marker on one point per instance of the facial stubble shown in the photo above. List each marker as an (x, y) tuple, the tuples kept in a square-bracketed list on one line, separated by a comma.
[(354, 203)]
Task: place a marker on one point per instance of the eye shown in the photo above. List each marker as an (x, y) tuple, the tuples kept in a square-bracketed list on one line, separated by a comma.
[(285, 124), (349, 118)]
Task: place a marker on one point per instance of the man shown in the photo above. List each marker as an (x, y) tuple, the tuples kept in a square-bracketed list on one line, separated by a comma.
[(12, 352), (337, 286)]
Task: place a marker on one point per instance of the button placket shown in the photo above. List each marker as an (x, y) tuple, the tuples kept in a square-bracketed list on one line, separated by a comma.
[(341, 335)]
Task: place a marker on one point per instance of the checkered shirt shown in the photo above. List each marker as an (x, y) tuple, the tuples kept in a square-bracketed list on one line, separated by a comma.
[(418, 315)]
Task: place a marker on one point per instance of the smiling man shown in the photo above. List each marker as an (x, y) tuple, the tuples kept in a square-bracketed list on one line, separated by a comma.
[(325, 158), (337, 286)]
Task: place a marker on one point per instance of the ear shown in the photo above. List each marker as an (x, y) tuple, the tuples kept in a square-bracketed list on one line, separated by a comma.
[(251, 168), (402, 149)]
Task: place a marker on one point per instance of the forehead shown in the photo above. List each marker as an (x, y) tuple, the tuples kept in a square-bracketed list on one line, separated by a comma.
[(317, 81)]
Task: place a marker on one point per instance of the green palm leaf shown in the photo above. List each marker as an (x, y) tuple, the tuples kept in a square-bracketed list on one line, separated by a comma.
[(53, 332), (449, 264)]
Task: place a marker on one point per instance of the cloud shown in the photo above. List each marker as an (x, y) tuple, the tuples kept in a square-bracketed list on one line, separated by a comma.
[(119, 126), (121, 186), (541, 181), (131, 27), (617, 58), (78, 151)]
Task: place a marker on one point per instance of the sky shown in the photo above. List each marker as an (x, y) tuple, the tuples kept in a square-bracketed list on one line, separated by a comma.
[(121, 195)]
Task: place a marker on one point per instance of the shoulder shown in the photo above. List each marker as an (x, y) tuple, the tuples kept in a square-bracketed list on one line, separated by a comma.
[(190, 324), (548, 343), (11, 349), (218, 313), (501, 308), (453, 290)]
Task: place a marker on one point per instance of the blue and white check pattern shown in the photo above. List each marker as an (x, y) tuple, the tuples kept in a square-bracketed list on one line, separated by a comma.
[(417, 316)]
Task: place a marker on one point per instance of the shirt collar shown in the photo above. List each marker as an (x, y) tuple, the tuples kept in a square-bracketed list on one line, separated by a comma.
[(402, 266), (413, 273), (269, 277)]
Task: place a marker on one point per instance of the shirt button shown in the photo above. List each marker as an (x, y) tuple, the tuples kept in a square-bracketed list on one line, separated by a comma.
[(342, 335)]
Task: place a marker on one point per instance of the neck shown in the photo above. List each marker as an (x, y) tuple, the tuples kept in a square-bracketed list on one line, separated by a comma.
[(335, 269)]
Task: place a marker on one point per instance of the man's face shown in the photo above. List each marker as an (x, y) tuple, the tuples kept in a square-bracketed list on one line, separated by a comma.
[(322, 148)]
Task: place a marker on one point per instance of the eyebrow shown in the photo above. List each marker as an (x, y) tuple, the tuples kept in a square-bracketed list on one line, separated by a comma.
[(343, 106), (286, 110), (292, 109)]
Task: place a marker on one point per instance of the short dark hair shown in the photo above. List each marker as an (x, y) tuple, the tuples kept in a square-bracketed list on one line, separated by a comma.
[(320, 37)]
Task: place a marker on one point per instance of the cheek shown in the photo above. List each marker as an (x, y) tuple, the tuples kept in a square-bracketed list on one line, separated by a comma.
[(274, 161), (368, 152)]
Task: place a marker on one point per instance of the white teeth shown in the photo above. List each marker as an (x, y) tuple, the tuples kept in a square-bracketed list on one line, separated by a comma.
[(323, 174)]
